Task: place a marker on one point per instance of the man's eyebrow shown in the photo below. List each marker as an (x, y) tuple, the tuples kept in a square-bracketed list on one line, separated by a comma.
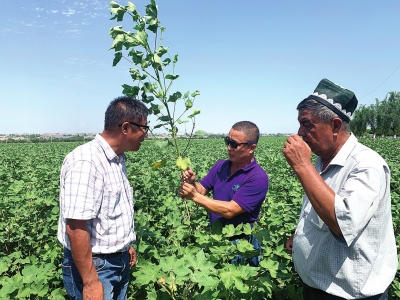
[(306, 122)]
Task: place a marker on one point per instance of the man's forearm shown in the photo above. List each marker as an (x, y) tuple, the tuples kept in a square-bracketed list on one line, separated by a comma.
[(321, 196), (223, 208), (200, 189), (81, 250)]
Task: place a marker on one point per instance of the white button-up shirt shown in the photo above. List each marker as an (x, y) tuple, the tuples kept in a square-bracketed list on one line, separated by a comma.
[(363, 262), (94, 187)]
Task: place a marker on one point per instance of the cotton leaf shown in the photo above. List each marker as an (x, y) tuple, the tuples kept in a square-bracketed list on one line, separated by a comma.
[(159, 163), (183, 163)]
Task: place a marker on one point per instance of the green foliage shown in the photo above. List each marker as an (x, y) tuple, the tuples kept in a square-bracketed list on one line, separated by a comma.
[(382, 118), (177, 259), (183, 163), (29, 251), (153, 71)]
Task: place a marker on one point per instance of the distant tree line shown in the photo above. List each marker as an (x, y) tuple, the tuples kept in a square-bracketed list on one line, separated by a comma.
[(379, 119), (40, 139)]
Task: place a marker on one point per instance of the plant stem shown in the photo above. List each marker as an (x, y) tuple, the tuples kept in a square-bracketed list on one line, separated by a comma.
[(169, 293), (190, 137)]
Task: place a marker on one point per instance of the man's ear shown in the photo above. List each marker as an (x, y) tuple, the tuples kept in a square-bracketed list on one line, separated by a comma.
[(124, 127), (336, 125), (253, 148)]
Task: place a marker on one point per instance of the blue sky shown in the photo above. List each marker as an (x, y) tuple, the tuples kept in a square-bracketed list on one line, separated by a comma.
[(250, 59)]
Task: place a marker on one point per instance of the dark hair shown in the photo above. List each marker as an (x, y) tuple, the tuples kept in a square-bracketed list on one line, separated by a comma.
[(323, 113), (250, 130), (123, 109)]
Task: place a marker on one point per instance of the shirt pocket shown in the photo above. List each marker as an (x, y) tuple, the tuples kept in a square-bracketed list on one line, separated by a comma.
[(112, 201), (313, 218)]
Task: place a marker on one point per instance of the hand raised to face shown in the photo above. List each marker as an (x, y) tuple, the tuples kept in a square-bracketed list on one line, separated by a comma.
[(296, 151)]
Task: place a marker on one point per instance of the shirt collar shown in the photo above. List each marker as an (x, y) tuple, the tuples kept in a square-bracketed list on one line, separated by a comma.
[(108, 151), (344, 152), (247, 167), (250, 165)]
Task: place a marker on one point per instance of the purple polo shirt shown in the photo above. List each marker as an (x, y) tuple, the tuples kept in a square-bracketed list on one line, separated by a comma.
[(247, 187)]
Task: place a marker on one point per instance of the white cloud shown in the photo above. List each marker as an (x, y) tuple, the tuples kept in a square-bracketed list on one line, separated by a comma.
[(73, 31), (69, 13), (99, 5), (80, 4), (76, 77), (71, 60), (14, 31), (94, 15), (28, 24)]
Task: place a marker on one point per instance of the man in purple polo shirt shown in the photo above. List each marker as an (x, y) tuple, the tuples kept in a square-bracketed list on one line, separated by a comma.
[(239, 184)]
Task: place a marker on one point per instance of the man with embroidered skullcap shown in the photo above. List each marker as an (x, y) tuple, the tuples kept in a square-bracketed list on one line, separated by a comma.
[(344, 245)]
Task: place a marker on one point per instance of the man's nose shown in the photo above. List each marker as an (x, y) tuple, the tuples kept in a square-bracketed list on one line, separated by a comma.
[(301, 131)]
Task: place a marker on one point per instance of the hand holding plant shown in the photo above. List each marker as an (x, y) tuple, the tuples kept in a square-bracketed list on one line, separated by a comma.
[(189, 176)]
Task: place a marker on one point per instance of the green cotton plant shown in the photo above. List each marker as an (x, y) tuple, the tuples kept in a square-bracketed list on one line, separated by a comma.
[(30, 253), (153, 73)]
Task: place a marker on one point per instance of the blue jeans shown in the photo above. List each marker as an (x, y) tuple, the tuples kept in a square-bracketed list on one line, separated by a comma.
[(253, 261), (113, 271)]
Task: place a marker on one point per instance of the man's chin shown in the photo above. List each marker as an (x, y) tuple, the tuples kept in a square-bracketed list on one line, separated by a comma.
[(136, 148)]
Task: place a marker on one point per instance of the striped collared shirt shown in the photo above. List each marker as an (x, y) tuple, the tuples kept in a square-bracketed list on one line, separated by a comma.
[(364, 261), (94, 187)]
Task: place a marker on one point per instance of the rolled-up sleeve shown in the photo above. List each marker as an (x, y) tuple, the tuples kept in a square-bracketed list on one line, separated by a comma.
[(358, 200), (80, 199)]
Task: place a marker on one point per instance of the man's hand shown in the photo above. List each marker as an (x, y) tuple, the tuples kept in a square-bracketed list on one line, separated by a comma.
[(189, 176), (187, 191), (289, 244), (93, 291), (296, 151), (132, 256)]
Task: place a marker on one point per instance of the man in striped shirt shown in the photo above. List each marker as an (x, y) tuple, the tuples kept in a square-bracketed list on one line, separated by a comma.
[(344, 245), (96, 206)]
